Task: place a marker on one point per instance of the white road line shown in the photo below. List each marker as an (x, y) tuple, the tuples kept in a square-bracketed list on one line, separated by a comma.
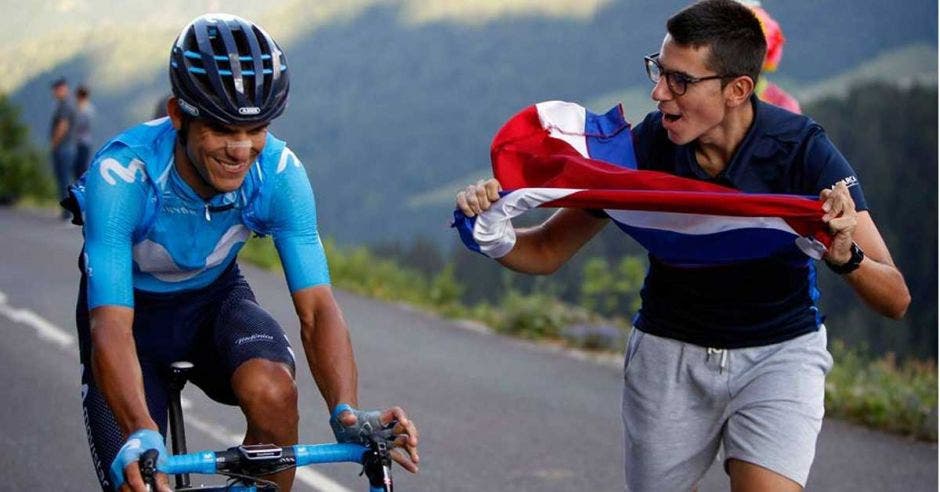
[(52, 333), (45, 329)]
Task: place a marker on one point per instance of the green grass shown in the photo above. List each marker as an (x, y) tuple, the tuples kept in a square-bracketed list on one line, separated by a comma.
[(883, 393), (879, 393)]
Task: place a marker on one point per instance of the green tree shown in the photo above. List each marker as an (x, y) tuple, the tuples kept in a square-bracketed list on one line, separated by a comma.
[(889, 135), (612, 291), (22, 171)]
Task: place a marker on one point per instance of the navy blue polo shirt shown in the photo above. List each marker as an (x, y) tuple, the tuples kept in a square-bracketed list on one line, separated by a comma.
[(750, 303)]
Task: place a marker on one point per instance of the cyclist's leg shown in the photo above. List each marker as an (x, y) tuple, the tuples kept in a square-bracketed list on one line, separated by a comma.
[(105, 437), (674, 400), (776, 413), (248, 361)]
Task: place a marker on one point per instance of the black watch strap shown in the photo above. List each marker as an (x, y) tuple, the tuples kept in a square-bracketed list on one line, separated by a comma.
[(850, 266)]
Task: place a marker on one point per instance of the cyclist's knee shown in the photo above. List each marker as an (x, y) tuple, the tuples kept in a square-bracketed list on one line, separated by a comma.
[(266, 388)]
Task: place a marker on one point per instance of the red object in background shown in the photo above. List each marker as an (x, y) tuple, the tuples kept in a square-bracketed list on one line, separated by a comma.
[(778, 97), (774, 36)]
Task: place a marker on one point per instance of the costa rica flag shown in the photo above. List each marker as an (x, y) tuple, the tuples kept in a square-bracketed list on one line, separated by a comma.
[(557, 154)]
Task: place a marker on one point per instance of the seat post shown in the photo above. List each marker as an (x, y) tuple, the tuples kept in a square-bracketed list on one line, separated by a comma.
[(178, 376)]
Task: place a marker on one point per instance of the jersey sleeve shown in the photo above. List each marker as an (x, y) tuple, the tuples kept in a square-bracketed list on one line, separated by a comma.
[(116, 194), (292, 215), (828, 167)]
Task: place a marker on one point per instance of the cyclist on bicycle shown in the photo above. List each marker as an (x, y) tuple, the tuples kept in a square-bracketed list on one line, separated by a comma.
[(166, 206)]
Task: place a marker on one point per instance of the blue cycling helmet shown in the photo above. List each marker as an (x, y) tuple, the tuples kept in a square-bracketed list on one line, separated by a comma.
[(228, 70)]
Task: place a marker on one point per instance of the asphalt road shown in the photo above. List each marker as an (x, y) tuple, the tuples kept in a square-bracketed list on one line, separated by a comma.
[(496, 414)]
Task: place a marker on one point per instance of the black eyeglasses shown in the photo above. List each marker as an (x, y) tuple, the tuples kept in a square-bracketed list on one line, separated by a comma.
[(678, 82)]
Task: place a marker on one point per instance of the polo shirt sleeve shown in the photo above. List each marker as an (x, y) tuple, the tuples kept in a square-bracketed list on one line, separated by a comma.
[(828, 166)]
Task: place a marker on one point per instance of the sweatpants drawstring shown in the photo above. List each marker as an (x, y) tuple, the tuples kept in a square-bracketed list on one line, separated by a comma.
[(724, 357)]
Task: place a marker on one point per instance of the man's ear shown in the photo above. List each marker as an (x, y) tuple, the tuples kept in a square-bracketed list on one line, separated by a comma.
[(174, 111), (739, 90)]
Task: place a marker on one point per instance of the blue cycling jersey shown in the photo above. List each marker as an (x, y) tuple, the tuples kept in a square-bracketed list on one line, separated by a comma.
[(145, 228)]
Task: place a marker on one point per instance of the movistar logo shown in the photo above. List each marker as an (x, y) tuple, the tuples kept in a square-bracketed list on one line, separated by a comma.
[(110, 167), (286, 155), (249, 110)]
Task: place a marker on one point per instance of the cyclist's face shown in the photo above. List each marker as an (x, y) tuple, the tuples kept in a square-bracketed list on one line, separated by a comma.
[(701, 108), (223, 154)]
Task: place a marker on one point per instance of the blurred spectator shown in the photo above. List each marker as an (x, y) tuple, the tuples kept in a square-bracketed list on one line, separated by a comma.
[(160, 110), (62, 137), (84, 118)]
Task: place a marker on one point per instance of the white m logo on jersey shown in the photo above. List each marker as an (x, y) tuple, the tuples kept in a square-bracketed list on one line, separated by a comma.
[(111, 166), (282, 163)]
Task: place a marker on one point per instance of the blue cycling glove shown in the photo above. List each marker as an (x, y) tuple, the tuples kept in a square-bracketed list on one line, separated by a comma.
[(367, 425), (137, 444)]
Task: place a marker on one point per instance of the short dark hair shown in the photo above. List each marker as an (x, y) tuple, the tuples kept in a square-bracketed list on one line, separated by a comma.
[(82, 92), (729, 29), (59, 82)]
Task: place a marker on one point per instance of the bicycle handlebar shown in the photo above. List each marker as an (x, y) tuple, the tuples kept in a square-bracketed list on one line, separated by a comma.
[(267, 459), (209, 462)]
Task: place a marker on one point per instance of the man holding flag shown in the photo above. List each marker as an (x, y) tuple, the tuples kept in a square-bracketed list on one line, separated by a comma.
[(728, 348)]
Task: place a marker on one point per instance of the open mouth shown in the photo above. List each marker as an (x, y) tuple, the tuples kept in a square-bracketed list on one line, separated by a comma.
[(232, 167), (672, 118)]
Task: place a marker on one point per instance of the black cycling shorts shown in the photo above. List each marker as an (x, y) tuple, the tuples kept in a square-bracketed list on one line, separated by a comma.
[(217, 328)]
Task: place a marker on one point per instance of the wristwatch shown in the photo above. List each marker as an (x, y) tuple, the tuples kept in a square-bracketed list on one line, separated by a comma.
[(850, 266)]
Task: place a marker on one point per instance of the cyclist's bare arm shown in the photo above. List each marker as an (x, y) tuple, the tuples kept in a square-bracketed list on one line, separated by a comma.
[(326, 345), (116, 367), (542, 249), (330, 356)]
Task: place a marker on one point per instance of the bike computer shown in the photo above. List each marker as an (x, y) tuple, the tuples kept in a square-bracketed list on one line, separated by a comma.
[(260, 451)]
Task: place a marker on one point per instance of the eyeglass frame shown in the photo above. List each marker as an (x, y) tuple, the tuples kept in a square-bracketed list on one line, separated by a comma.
[(686, 80)]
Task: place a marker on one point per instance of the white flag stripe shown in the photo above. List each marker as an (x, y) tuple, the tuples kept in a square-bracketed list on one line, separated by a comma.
[(697, 224), (565, 121)]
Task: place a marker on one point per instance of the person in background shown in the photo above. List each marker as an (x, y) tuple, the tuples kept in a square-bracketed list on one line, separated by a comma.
[(159, 111), (62, 138), (84, 116)]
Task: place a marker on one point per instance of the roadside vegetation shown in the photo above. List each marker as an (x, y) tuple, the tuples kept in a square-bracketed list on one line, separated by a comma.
[(23, 173)]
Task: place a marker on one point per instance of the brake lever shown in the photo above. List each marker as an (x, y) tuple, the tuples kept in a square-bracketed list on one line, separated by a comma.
[(148, 468), (377, 465)]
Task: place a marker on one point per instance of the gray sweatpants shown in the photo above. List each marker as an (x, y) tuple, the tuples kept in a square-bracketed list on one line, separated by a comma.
[(764, 405)]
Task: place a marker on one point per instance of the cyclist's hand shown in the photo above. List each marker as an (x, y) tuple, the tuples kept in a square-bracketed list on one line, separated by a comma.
[(352, 425), (125, 472), (476, 198)]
